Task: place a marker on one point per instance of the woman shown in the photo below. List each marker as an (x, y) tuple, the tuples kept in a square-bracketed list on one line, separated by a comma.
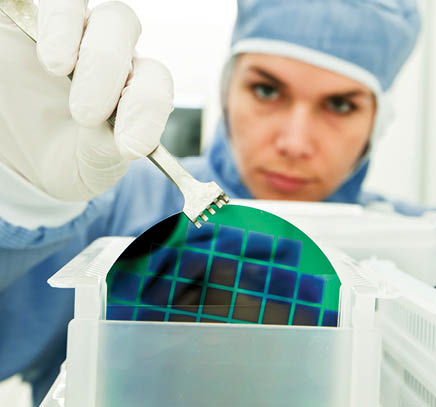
[(303, 102)]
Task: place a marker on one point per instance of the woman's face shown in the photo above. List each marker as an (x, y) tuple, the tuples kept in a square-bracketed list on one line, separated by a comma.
[(297, 130)]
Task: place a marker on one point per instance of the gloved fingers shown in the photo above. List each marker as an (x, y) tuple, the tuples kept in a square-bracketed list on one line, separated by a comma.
[(88, 163), (143, 110), (39, 139), (100, 164), (60, 29), (104, 63)]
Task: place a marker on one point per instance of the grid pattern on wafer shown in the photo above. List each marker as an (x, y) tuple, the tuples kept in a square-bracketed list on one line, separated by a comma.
[(220, 274)]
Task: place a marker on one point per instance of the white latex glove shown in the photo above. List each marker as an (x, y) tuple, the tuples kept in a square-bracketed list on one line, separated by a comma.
[(53, 132)]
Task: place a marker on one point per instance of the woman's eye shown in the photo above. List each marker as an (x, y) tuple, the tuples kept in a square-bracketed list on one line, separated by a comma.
[(340, 105), (266, 92)]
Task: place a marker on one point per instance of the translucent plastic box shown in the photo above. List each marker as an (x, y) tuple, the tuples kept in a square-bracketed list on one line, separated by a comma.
[(121, 363), (383, 353), (407, 324)]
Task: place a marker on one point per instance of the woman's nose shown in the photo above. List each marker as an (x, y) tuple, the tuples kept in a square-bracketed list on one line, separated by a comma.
[(295, 133)]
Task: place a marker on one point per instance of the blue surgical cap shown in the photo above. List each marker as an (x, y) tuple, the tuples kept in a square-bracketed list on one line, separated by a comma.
[(367, 40)]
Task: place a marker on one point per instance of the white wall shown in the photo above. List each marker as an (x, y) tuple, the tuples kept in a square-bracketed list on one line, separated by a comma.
[(400, 169), (429, 102), (192, 36), (397, 156)]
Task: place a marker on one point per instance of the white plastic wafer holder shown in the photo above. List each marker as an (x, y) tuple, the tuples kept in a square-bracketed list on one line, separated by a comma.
[(112, 363)]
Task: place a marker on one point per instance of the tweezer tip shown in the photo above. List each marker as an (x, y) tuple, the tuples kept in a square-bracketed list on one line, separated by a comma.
[(197, 224), (222, 202)]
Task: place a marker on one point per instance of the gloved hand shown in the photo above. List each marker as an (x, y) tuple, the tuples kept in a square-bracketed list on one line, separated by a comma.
[(53, 132)]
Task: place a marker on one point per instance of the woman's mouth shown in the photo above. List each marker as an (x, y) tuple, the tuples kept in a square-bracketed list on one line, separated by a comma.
[(286, 183)]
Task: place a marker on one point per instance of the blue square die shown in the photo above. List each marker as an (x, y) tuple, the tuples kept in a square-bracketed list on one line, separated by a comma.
[(288, 252)]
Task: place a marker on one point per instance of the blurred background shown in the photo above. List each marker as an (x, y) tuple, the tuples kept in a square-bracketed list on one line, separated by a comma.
[(191, 37)]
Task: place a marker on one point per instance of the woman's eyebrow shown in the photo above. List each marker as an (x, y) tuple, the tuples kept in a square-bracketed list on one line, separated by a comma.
[(267, 75), (350, 94)]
